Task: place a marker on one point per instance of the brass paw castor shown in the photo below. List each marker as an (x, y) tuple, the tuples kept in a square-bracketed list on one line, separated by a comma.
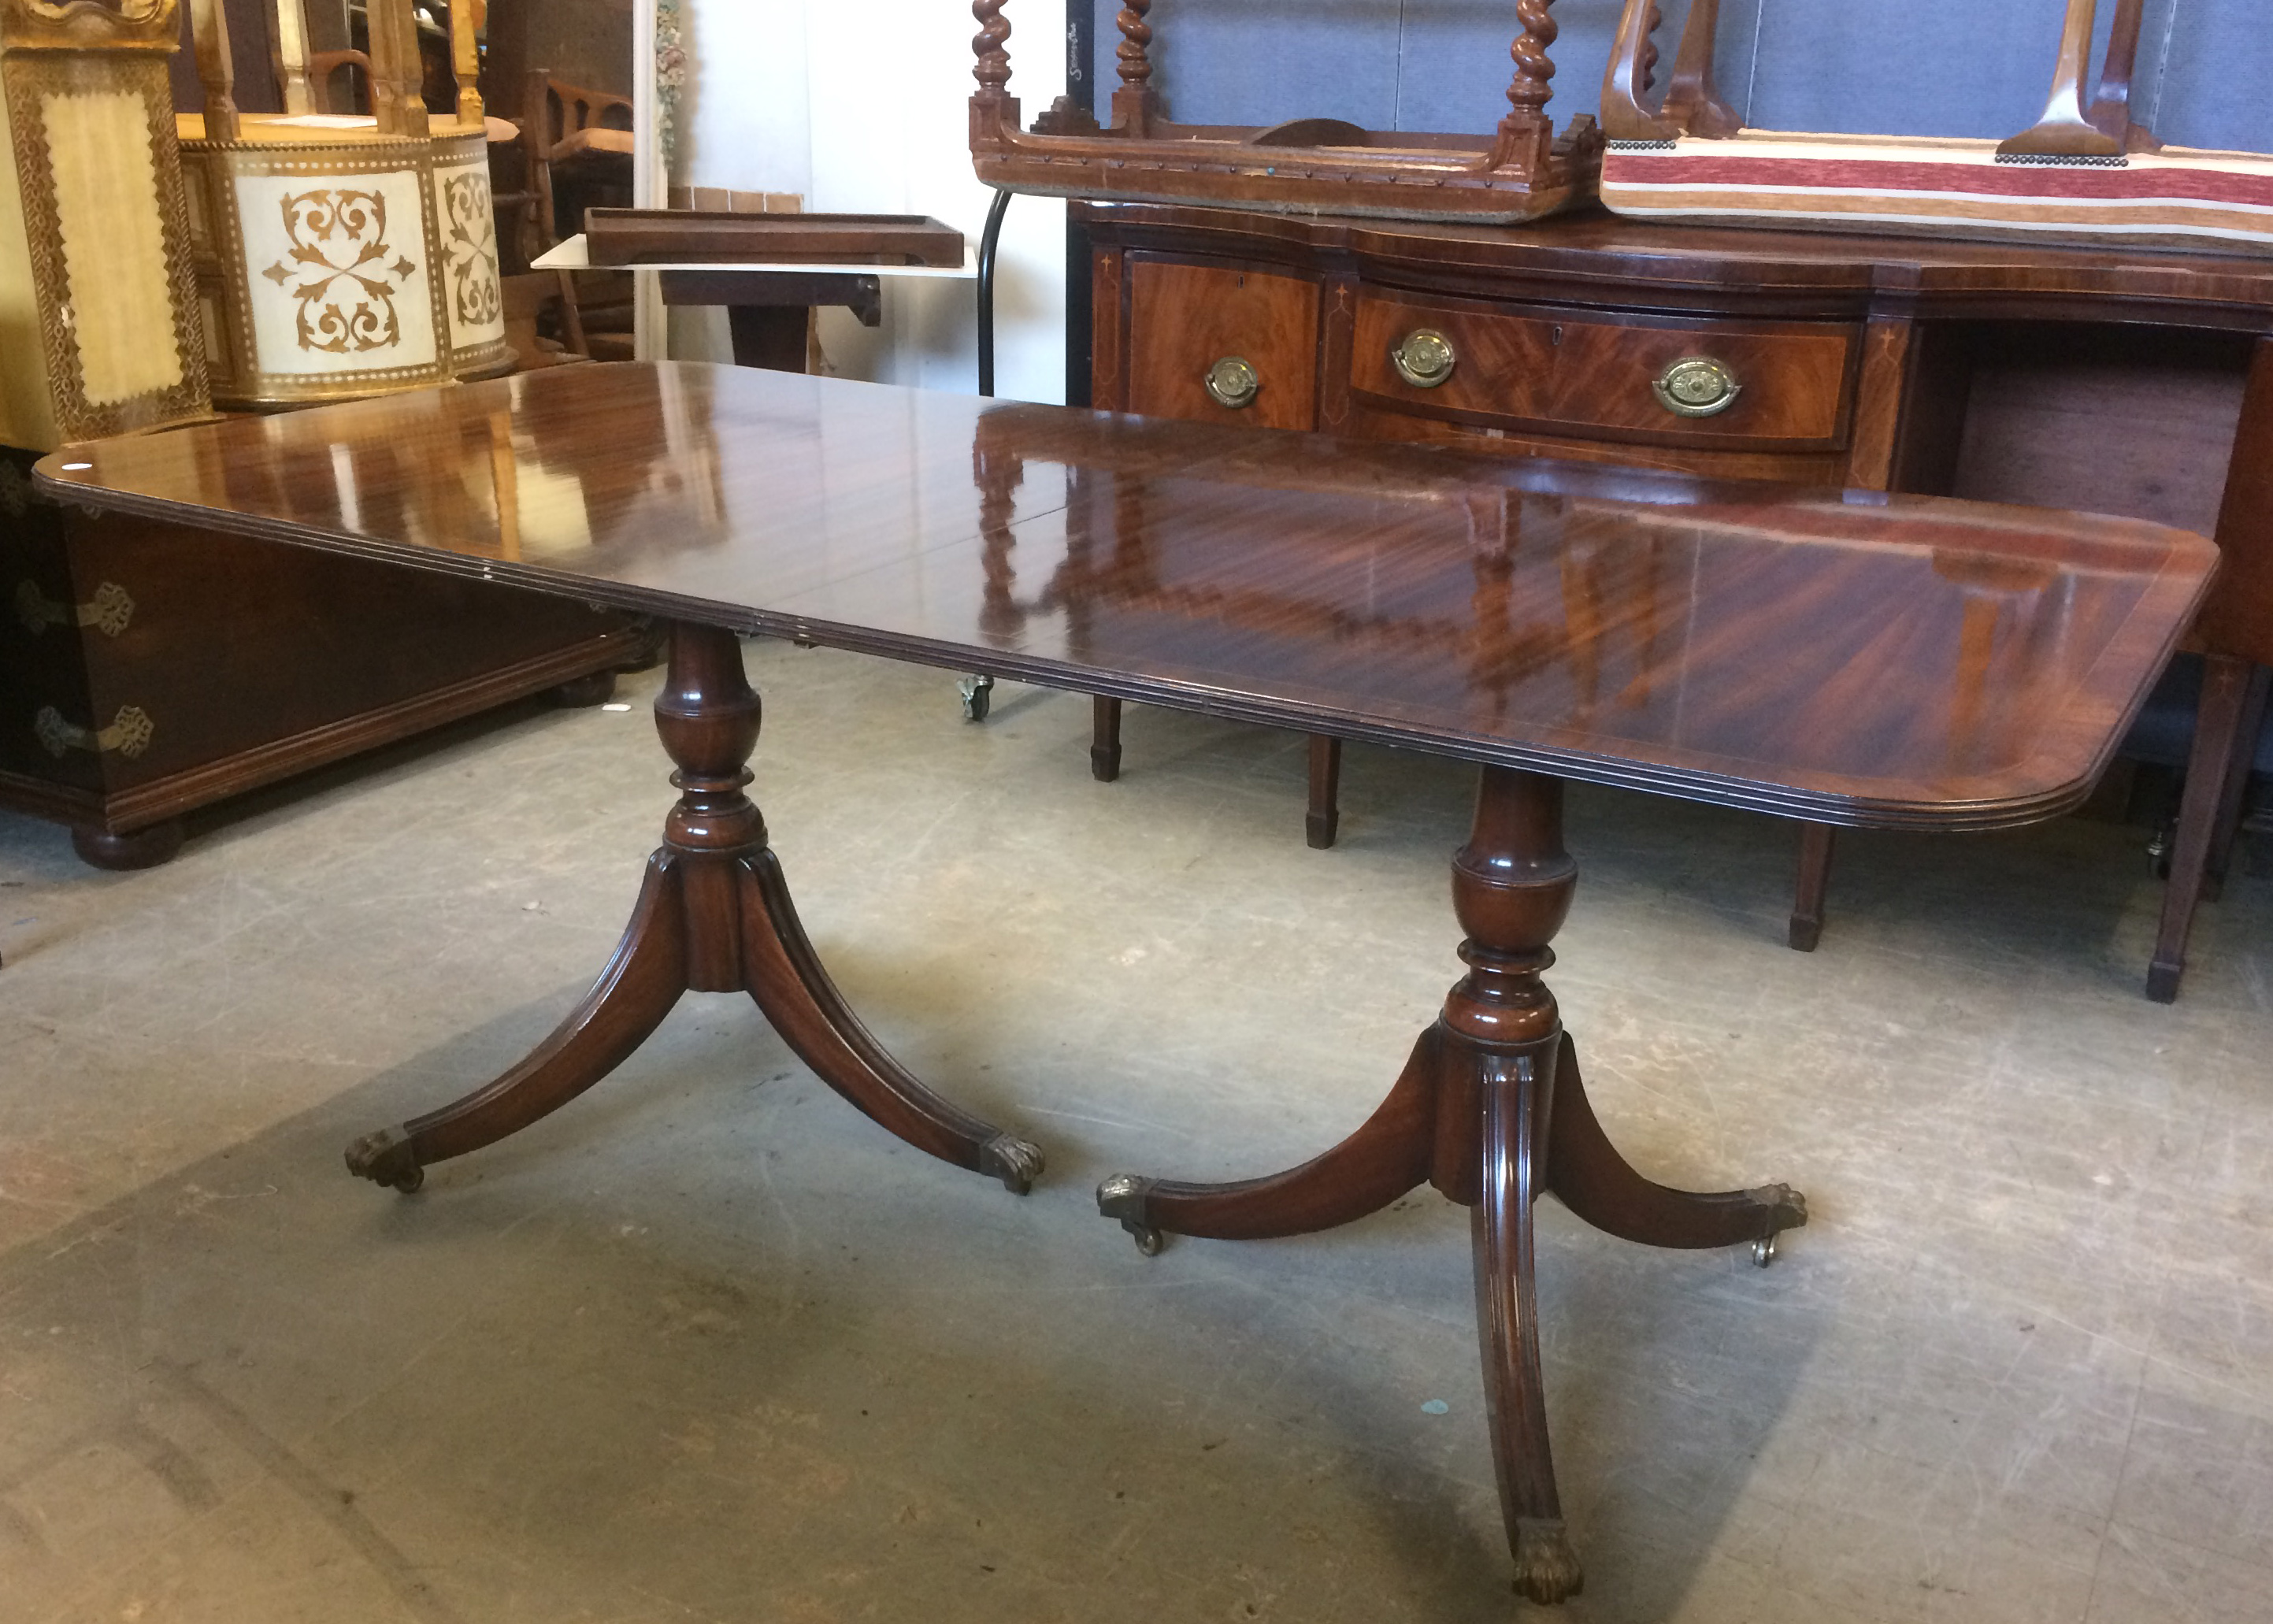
[(384, 1157), (1016, 1161)]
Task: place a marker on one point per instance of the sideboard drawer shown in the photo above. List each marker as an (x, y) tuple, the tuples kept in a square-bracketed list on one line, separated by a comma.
[(1647, 379), (1220, 344)]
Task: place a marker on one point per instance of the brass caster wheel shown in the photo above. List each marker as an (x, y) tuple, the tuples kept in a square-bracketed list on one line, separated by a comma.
[(1783, 1208), (1122, 1197)]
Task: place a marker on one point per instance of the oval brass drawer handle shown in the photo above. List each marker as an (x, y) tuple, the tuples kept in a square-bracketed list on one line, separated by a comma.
[(1423, 358), (1234, 381), (1696, 386)]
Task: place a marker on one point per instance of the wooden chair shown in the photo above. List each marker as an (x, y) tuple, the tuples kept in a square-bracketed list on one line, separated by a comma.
[(324, 67), (589, 133), (567, 124)]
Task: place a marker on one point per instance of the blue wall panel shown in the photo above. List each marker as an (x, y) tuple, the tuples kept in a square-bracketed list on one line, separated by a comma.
[(1904, 67), (1880, 67), (1454, 70), (2216, 85)]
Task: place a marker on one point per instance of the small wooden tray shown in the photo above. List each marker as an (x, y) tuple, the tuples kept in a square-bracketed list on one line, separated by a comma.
[(688, 237)]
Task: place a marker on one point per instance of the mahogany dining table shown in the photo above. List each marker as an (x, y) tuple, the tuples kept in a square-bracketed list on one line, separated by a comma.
[(1860, 660)]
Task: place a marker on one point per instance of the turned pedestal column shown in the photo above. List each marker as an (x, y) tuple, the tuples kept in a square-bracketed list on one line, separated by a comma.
[(1491, 1109)]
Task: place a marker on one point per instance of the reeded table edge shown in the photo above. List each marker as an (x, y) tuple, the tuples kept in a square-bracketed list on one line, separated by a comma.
[(1690, 783)]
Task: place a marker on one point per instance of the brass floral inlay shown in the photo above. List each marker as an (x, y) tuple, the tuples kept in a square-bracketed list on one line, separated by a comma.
[(338, 271)]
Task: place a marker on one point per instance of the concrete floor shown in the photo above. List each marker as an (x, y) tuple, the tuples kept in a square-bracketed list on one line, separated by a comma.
[(707, 1345)]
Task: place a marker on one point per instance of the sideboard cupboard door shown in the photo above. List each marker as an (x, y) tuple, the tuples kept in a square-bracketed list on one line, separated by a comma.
[(1220, 344)]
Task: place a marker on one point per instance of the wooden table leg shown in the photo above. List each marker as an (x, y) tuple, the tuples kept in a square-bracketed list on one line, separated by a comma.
[(1324, 817), (1491, 1110), (2238, 766), (714, 916), (1104, 738), (2220, 751), (1816, 841), (774, 336)]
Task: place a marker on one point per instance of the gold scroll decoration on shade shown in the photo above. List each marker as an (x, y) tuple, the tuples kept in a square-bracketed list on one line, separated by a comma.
[(340, 282), (107, 204), (472, 290)]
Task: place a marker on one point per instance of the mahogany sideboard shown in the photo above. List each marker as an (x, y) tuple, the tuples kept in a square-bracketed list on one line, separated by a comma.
[(2135, 385)]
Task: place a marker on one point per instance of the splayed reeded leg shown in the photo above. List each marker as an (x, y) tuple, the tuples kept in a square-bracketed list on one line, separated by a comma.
[(714, 916), (1491, 1110), (1383, 1160), (1518, 1094), (1588, 1176)]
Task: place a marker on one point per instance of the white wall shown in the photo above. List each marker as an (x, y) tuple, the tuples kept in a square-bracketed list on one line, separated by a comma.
[(860, 105)]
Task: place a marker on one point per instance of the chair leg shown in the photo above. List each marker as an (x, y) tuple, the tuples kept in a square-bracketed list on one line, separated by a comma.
[(1815, 843), (2227, 685), (572, 316)]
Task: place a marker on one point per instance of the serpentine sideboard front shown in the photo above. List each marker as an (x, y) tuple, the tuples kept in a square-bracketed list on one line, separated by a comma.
[(2135, 385)]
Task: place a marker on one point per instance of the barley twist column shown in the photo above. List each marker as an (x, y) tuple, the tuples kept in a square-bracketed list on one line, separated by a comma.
[(991, 45), (1528, 95), (1135, 34)]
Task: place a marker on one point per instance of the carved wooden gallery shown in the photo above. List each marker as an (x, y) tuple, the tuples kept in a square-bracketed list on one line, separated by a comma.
[(1708, 428)]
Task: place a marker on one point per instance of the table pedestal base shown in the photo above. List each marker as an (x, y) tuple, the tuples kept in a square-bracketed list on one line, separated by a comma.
[(714, 916), (1490, 1109)]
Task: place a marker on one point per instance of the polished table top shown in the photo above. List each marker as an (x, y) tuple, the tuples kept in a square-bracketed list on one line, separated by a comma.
[(1861, 660)]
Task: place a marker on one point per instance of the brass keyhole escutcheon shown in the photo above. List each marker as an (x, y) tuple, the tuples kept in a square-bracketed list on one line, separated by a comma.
[(1696, 386), (1423, 358), (1233, 382)]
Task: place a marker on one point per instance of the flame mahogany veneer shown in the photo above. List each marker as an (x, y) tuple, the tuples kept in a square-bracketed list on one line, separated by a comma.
[(2129, 382), (1963, 667)]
